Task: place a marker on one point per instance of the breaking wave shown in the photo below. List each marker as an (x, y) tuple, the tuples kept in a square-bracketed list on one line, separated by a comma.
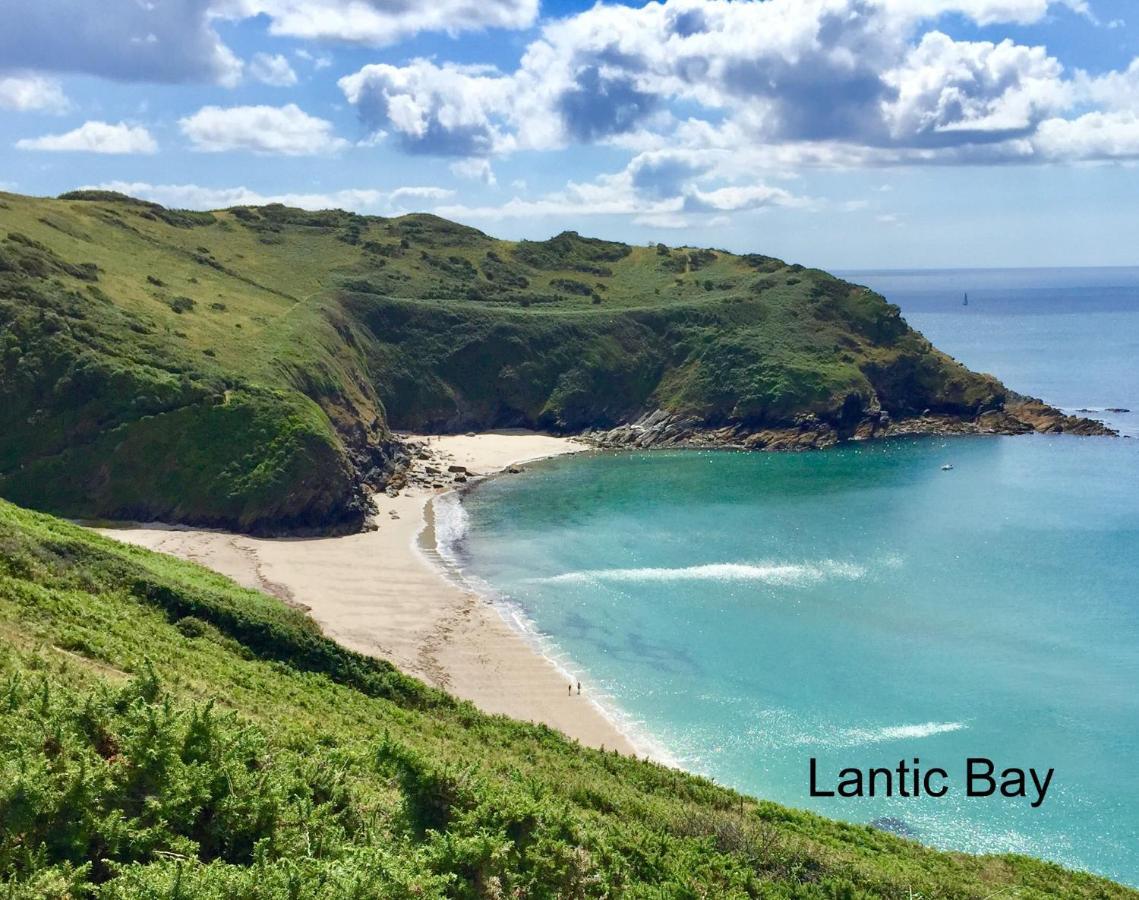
[(822, 735), (781, 574), (856, 736), (451, 526)]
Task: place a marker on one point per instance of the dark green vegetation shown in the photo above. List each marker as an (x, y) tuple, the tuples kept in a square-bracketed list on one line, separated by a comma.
[(243, 367), (165, 733)]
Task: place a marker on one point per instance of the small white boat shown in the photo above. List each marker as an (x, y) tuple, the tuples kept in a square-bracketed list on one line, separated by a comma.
[(947, 467)]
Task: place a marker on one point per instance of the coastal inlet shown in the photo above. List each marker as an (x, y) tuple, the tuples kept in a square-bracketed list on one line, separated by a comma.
[(857, 606)]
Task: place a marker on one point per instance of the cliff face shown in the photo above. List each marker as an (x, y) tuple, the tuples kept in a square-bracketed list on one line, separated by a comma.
[(243, 368), (719, 363)]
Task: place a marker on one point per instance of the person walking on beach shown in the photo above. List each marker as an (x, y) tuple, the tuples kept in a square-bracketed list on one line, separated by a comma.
[(569, 689), (579, 688)]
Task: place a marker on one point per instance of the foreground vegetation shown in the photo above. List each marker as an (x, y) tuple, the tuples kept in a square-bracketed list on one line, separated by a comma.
[(165, 733), (244, 367)]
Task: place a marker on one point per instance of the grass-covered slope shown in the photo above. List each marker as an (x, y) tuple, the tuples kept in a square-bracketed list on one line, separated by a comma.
[(141, 378), (165, 733), (243, 367)]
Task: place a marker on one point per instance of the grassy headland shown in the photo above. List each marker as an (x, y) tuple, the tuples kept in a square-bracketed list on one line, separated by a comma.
[(243, 368), (165, 733)]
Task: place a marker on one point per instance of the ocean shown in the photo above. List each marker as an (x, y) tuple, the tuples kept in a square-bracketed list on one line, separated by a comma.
[(741, 614)]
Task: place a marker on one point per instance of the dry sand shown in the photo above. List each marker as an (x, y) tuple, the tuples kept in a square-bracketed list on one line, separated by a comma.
[(383, 593)]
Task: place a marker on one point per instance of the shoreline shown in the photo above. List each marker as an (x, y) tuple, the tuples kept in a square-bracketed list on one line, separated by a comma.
[(660, 429), (514, 617), (388, 592)]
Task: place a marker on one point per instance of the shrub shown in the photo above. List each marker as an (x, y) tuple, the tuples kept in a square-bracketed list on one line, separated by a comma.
[(570, 286)]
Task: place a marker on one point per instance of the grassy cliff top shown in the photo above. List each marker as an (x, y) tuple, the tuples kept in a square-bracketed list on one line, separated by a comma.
[(165, 733), (244, 367)]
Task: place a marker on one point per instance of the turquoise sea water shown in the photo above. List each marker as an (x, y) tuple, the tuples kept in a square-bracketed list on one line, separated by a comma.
[(747, 612)]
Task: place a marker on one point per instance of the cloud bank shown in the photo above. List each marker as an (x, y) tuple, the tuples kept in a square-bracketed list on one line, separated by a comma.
[(194, 196), (176, 41), (813, 82)]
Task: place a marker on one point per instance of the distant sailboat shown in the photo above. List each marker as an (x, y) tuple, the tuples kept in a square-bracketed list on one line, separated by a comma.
[(965, 302)]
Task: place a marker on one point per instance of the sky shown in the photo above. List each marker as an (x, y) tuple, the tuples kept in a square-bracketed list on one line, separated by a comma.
[(836, 133)]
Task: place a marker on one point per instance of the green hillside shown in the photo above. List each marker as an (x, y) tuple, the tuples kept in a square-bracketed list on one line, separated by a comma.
[(167, 734), (244, 367)]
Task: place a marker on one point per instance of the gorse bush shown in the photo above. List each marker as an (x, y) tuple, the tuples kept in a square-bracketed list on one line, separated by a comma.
[(126, 787), (128, 780), (128, 773)]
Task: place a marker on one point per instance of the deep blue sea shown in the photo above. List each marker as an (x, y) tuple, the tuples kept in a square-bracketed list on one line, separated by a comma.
[(744, 613)]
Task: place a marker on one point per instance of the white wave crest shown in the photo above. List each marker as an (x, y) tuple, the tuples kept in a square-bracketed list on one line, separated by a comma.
[(782, 574), (855, 736), (451, 525), (829, 736)]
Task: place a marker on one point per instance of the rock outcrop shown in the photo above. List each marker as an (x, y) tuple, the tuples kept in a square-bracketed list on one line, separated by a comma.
[(660, 429)]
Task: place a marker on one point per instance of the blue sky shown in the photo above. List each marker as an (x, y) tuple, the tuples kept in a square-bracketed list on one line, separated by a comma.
[(839, 133)]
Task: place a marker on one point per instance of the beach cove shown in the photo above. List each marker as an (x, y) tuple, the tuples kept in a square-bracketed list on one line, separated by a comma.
[(385, 593)]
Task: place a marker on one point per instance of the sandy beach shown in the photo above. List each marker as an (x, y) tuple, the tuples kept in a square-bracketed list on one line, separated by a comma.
[(381, 592)]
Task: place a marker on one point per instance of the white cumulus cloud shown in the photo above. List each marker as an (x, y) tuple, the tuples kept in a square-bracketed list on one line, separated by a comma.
[(949, 90), (95, 137), (1092, 136), (447, 110), (32, 93), (280, 130)]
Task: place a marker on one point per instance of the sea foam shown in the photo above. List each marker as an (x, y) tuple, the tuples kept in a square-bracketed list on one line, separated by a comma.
[(856, 736), (451, 526), (820, 735), (782, 574)]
